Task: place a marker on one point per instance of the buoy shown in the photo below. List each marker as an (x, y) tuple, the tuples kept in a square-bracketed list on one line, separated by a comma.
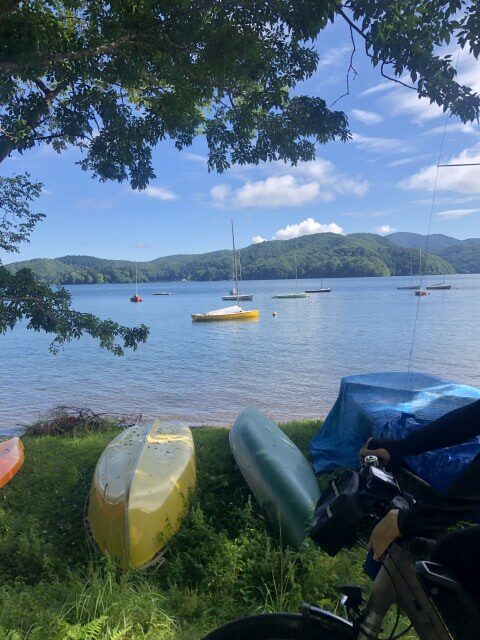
[(274, 314)]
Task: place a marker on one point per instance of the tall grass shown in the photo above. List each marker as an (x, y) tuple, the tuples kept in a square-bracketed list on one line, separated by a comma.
[(223, 563)]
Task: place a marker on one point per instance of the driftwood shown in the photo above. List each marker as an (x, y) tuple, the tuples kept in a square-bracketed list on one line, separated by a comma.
[(63, 420)]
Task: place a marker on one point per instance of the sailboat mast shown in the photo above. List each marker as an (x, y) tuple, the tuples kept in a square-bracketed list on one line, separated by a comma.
[(235, 277), (136, 280), (296, 275)]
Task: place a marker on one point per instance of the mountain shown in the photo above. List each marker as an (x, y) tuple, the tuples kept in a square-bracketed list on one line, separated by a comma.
[(322, 254), (437, 242), (463, 256)]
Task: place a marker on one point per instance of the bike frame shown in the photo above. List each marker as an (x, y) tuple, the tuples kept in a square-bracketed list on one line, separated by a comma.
[(397, 583)]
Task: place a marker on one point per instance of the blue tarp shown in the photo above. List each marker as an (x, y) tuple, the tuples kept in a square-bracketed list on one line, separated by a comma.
[(389, 405)]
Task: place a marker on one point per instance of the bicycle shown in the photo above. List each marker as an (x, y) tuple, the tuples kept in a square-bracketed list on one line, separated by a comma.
[(435, 603)]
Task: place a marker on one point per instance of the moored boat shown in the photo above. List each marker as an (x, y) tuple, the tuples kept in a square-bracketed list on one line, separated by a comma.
[(140, 492), (240, 296), (136, 297), (12, 457), (281, 296), (421, 292), (296, 293), (322, 290), (227, 313), (234, 312), (439, 287)]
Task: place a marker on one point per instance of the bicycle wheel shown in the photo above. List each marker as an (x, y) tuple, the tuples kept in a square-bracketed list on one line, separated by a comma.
[(282, 626)]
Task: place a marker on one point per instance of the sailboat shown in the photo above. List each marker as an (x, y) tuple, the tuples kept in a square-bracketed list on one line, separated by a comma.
[(440, 286), (297, 294), (136, 297), (321, 290), (234, 312), (237, 275), (412, 287)]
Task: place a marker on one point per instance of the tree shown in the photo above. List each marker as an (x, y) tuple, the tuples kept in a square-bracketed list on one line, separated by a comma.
[(44, 308), (115, 79)]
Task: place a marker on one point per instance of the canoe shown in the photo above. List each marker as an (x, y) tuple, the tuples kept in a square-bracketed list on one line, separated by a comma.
[(140, 492), (278, 474), (228, 313), (12, 457)]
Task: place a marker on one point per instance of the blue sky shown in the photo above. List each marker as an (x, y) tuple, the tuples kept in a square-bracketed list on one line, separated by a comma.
[(380, 181)]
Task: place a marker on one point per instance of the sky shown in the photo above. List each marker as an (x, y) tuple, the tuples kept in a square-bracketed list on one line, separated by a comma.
[(381, 181)]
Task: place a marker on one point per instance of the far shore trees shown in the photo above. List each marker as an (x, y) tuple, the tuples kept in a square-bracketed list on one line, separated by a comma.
[(115, 79)]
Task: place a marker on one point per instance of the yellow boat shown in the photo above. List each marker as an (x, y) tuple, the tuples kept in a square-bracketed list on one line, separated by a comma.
[(140, 492), (12, 457), (228, 313)]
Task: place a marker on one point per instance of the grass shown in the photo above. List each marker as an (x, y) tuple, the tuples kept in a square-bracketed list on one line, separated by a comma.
[(222, 564)]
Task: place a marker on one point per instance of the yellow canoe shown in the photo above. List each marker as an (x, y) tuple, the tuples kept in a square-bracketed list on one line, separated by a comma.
[(140, 492), (12, 457), (228, 313)]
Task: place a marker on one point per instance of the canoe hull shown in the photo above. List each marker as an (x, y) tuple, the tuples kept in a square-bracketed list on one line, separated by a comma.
[(278, 474), (12, 457), (244, 315), (140, 492)]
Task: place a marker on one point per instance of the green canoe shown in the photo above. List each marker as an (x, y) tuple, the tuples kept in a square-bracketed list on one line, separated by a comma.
[(278, 474)]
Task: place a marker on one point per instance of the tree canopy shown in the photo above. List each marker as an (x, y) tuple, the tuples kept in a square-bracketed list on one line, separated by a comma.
[(116, 78)]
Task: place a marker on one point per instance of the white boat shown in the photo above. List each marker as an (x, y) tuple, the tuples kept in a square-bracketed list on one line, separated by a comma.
[(237, 276), (296, 294), (229, 313)]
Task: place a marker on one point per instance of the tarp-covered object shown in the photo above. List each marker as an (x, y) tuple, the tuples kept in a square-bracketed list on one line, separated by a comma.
[(389, 405)]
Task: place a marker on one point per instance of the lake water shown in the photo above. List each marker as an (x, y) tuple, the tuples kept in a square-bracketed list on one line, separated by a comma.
[(289, 366)]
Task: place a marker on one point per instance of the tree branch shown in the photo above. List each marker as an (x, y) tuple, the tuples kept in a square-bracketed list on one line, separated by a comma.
[(350, 68), (368, 43)]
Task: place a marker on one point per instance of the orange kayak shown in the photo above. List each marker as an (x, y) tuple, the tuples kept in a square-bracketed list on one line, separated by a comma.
[(11, 459)]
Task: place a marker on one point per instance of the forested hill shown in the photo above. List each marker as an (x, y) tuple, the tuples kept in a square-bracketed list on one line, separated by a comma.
[(326, 254), (463, 255)]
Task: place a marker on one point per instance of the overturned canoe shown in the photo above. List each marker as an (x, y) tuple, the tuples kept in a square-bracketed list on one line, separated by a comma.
[(11, 459), (279, 475), (140, 492)]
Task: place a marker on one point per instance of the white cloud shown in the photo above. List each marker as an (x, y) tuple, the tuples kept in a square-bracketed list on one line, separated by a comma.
[(140, 245), (97, 203), (381, 145), (377, 88), (454, 214), (258, 239), (384, 229), (333, 57), (459, 179), (160, 193), (290, 187), (367, 117), (305, 228), (195, 157), (457, 127), (402, 101), (399, 163)]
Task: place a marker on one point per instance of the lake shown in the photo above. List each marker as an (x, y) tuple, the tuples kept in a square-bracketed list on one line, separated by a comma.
[(289, 366)]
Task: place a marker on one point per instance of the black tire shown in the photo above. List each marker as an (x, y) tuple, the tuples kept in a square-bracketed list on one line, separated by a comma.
[(280, 626)]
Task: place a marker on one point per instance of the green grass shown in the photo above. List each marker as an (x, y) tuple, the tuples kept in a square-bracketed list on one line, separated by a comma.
[(222, 565)]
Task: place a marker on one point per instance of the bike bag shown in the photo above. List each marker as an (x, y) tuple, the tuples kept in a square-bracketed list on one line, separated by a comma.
[(338, 514)]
